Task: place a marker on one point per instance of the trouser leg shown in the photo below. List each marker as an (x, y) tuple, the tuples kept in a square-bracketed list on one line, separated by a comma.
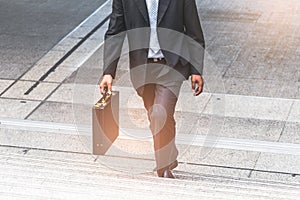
[(160, 102)]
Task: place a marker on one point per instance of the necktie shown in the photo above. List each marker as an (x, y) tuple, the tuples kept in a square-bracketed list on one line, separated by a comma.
[(153, 10)]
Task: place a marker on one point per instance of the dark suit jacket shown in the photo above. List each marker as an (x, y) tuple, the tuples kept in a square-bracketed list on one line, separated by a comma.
[(176, 20)]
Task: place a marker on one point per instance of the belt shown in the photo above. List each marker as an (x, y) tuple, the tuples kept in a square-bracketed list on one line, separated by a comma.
[(156, 60)]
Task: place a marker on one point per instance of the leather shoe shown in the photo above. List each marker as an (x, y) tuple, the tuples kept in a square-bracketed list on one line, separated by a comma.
[(168, 174), (166, 171)]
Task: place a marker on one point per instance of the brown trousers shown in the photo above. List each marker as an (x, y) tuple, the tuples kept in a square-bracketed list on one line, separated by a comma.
[(160, 95)]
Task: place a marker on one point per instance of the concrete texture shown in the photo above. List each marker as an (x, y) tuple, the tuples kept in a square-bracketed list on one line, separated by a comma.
[(266, 162), (71, 177), (219, 157), (4, 84), (42, 140), (264, 130), (285, 178), (19, 89), (12, 70), (16, 109), (291, 133), (212, 170), (63, 94), (250, 107), (260, 42), (60, 74), (59, 112), (43, 65), (295, 112)]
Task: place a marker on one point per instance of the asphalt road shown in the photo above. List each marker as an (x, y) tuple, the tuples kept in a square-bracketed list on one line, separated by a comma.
[(30, 28)]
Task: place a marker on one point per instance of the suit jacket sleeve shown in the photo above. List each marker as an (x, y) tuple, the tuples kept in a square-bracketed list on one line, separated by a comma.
[(193, 29), (114, 38)]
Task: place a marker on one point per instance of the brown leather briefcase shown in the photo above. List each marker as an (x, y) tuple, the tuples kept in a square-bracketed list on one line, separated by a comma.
[(105, 122)]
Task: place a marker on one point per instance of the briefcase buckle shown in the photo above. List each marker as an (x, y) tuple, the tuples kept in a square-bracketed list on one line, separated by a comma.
[(104, 100)]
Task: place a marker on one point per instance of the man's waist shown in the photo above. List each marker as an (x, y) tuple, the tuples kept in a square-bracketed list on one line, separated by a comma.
[(156, 60)]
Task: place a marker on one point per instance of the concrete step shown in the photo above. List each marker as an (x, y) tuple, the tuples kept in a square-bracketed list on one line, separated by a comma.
[(58, 133), (208, 103), (230, 156), (58, 175)]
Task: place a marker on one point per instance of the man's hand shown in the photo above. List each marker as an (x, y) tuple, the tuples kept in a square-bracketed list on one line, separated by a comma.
[(197, 81), (106, 83)]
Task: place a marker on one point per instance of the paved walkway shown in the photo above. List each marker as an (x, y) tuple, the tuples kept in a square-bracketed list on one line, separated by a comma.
[(245, 128)]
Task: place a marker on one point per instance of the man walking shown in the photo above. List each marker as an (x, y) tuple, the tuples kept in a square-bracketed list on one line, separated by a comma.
[(157, 27)]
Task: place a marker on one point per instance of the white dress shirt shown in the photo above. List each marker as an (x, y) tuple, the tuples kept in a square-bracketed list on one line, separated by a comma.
[(153, 26)]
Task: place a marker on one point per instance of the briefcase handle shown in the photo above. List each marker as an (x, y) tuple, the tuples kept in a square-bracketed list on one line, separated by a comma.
[(104, 100)]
